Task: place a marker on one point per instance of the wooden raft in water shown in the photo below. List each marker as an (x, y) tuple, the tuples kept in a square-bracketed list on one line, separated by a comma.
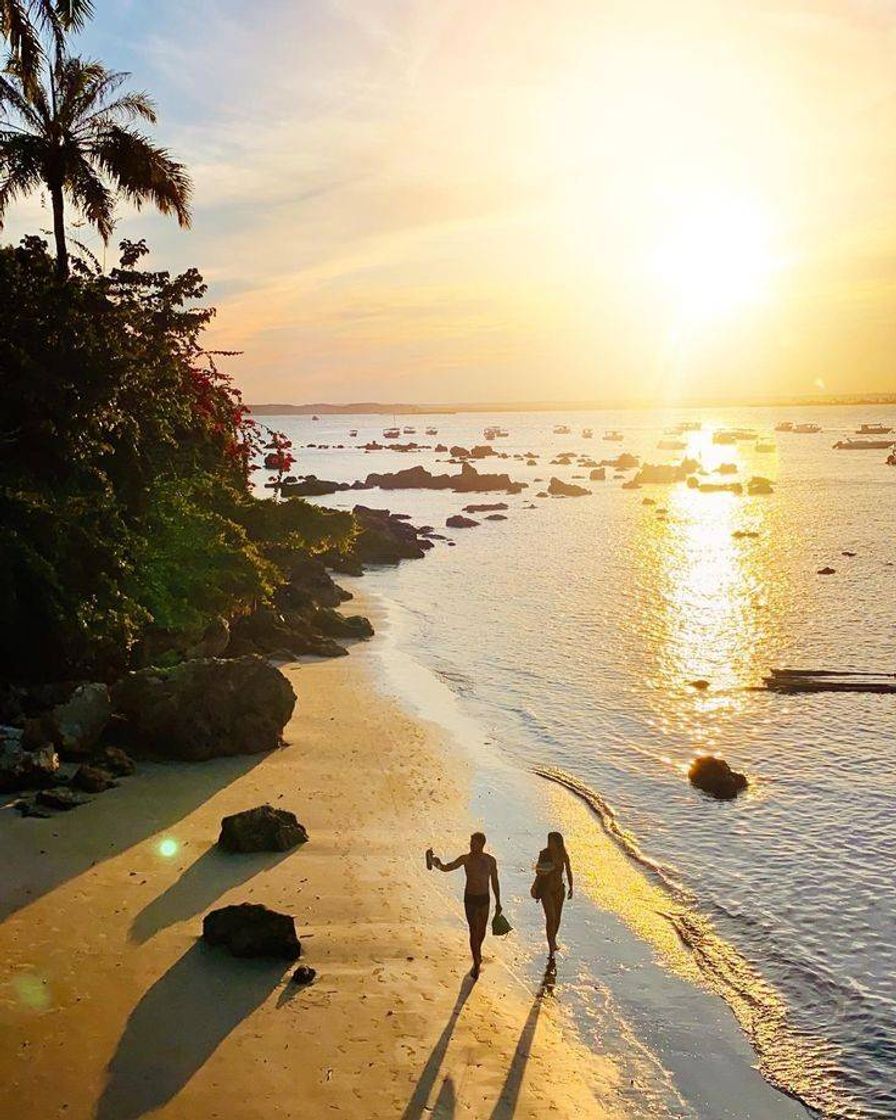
[(829, 680)]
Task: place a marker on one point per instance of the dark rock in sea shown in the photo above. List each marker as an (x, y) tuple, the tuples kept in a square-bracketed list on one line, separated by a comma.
[(468, 481), (648, 502), (303, 975), (61, 799), (496, 517), (632, 484), (482, 451), (263, 829), (714, 776), (204, 709), (458, 521), (440, 447), (309, 584), (21, 768), (457, 452), (827, 571), (114, 761), (483, 508), (560, 489), (743, 534), (336, 625), (542, 494), (661, 474), (384, 539), (75, 725), (759, 485), (250, 930), (701, 685), (726, 468), (311, 487), (92, 779), (599, 474), (622, 462)]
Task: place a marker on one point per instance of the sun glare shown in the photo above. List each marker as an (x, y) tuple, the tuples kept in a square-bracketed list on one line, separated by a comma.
[(714, 260)]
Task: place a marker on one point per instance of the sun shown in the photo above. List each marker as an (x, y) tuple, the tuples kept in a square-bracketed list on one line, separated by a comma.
[(714, 260)]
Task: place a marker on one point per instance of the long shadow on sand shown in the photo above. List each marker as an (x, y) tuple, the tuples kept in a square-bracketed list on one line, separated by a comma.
[(203, 883), (42, 854), (505, 1106), (178, 1025), (416, 1106)]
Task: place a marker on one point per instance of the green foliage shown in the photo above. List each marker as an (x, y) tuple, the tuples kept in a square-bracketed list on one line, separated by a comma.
[(124, 471)]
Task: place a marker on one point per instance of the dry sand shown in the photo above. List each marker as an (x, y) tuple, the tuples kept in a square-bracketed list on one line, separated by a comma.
[(110, 1007)]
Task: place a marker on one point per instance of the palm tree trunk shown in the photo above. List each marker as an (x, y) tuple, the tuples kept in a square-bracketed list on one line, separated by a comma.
[(59, 231)]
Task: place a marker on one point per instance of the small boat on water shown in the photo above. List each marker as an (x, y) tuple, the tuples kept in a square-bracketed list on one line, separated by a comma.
[(495, 432), (432, 431), (391, 433), (852, 444), (409, 431), (784, 426), (587, 433), (807, 429), (353, 432), (562, 429), (873, 430), (614, 436)]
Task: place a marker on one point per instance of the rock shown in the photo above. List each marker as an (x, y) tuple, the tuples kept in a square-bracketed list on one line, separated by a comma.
[(458, 521), (441, 447), (718, 487), (311, 487), (264, 829), (336, 625), (485, 507), (285, 634), (114, 761), (847, 553), (24, 769), (214, 640), (726, 468), (482, 451), (61, 799), (632, 484), (92, 779), (251, 930), (648, 502), (714, 776), (384, 539), (623, 462), (496, 517), (76, 725), (827, 571), (32, 809), (560, 489), (303, 975), (700, 685), (206, 708), (599, 474), (661, 474), (759, 485), (469, 481)]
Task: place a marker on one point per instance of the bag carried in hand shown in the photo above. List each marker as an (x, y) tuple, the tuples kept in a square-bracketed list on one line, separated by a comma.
[(535, 889), (500, 925)]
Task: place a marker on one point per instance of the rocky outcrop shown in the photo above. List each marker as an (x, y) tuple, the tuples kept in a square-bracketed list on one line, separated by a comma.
[(385, 539), (662, 474), (759, 485), (92, 779), (250, 930), (206, 708), (25, 769), (622, 462), (336, 625), (458, 521), (496, 517), (263, 829), (312, 487), (214, 641), (714, 776), (60, 799), (469, 481), (75, 726), (599, 474), (485, 507), (560, 489)]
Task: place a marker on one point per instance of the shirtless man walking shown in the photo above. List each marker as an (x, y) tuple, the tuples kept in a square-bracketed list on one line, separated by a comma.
[(481, 869)]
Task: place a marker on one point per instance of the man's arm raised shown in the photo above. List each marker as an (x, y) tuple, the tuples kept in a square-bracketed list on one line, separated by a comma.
[(452, 866)]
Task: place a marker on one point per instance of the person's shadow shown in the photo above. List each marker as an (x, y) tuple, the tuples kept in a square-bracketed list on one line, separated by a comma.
[(445, 1104), (178, 1025), (505, 1106), (203, 883)]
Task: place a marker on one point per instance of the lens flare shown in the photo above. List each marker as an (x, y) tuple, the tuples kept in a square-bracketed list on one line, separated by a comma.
[(168, 847)]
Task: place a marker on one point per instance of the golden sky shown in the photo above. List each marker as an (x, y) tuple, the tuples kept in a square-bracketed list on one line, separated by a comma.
[(523, 200)]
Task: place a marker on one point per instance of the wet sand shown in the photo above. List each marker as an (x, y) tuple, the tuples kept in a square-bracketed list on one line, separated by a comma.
[(111, 1008)]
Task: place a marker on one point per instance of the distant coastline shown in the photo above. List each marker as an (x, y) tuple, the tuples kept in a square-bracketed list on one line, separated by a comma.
[(375, 408)]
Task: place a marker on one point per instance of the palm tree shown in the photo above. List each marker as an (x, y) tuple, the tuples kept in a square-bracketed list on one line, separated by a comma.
[(23, 22), (73, 134)]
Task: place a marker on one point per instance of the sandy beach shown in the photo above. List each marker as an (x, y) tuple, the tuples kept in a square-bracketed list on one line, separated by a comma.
[(110, 1007)]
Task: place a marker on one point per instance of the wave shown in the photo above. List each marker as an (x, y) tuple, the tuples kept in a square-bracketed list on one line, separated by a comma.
[(802, 1066)]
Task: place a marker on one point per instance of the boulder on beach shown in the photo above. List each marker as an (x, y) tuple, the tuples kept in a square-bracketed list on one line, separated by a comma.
[(263, 829), (827, 571), (458, 521), (559, 489), (114, 761), (304, 975), (24, 769), (75, 725), (204, 709), (714, 776), (61, 799), (92, 779), (251, 930), (336, 625)]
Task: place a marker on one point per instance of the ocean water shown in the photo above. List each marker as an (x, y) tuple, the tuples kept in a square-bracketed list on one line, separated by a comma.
[(573, 631)]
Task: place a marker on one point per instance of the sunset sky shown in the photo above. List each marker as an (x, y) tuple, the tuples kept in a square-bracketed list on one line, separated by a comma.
[(452, 200)]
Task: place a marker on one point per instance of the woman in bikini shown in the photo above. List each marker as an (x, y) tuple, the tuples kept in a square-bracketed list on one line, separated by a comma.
[(549, 888)]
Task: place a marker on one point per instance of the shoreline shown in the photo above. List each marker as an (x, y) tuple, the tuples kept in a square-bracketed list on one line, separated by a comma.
[(111, 1008)]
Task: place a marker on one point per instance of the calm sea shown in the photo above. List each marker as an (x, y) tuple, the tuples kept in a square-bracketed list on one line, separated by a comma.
[(573, 631)]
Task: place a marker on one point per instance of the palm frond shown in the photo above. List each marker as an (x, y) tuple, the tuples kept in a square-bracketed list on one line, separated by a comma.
[(17, 26), (129, 107), (144, 172), (92, 197)]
